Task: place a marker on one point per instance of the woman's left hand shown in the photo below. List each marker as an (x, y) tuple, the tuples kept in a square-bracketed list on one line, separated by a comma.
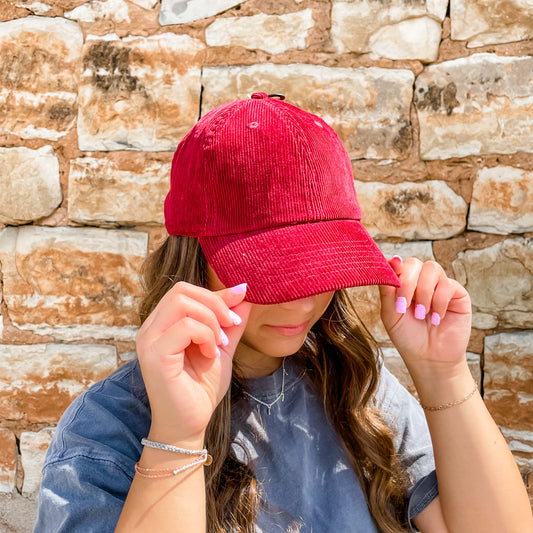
[(428, 318)]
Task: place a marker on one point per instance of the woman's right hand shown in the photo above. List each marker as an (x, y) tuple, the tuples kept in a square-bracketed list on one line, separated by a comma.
[(177, 349)]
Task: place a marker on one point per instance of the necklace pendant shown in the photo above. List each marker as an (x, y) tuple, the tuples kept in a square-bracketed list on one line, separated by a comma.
[(269, 408)]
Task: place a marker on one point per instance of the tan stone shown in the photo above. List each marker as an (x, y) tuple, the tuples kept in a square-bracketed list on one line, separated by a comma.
[(481, 104), (115, 10), (367, 299), (509, 389), (429, 210), (500, 282), (29, 181), (138, 93), (396, 29), (481, 22), (39, 381), (271, 33), (367, 107), (39, 76), (33, 447), (105, 192), (73, 283), (182, 11), (502, 201), (8, 460)]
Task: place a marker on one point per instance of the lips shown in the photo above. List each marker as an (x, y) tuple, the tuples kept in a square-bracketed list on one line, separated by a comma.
[(290, 329)]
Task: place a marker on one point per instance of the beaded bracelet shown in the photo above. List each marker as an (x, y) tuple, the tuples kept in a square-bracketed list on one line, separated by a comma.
[(169, 448), (451, 404)]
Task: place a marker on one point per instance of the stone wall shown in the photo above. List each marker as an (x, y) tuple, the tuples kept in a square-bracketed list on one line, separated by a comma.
[(433, 100)]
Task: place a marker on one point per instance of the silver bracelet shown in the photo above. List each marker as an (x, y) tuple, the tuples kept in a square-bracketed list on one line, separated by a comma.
[(169, 448)]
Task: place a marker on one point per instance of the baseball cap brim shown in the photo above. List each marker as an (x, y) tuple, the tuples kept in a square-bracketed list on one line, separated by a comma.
[(292, 262)]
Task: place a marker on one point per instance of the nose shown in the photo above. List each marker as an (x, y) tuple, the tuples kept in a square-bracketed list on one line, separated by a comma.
[(303, 305)]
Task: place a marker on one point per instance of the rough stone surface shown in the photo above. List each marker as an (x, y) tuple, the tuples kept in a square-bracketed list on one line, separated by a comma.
[(479, 104), (33, 447), (116, 10), (271, 33), (39, 381), (482, 22), (138, 93), (500, 282), (367, 107), (38, 76), (125, 193), (502, 201), (72, 283), (17, 513), (429, 210), (396, 29), (509, 389), (182, 11), (367, 300), (8, 461), (29, 181)]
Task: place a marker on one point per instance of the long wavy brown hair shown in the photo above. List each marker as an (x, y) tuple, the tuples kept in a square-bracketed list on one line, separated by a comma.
[(342, 360)]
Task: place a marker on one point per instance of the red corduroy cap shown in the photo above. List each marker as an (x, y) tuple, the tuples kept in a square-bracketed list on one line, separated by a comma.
[(268, 190)]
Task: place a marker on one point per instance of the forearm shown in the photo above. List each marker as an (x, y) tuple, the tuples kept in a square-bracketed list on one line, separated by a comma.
[(480, 487), (174, 503)]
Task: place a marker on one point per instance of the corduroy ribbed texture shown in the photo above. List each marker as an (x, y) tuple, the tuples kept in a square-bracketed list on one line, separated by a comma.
[(268, 189)]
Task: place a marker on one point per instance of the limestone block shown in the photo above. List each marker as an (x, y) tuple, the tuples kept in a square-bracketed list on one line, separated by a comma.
[(367, 107), (271, 33), (366, 299), (8, 460), (500, 282), (482, 22), (509, 389), (429, 210), (29, 181), (37, 8), (481, 104), (396, 29), (41, 58), (124, 192), (502, 201), (182, 11), (116, 10), (73, 283), (138, 93), (39, 381), (33, 447)]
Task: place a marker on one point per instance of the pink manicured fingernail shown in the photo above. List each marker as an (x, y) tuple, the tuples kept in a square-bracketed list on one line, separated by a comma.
[(238, 289), (224, 337), (435, 319), (397, 257), (235, 317), (401, 305), (420, 312), (218, 352)]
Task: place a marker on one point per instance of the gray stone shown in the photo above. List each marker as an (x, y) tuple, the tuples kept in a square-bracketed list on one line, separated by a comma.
[(396, 29), (183, 11), (139, 93), (500, 282), (29, 180), (481, 22), (501, 201), (17, 513), (108, 193), (33, 448), (367, 107), (481, 104), (271, 33), (428, 210)]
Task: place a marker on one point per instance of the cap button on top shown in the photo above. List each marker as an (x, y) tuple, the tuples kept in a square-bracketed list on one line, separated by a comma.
[(259, 96)]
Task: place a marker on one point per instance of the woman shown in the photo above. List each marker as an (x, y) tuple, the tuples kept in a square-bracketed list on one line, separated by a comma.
[(258, 401)]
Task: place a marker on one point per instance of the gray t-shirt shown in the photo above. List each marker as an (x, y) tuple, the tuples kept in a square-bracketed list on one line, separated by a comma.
[(304, 471), (300, 463)]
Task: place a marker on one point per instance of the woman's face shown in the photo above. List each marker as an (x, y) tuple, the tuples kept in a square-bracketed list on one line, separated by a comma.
[(263, 342)]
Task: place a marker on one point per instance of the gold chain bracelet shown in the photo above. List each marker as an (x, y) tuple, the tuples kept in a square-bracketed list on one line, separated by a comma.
[(451, 404), (154, 473)]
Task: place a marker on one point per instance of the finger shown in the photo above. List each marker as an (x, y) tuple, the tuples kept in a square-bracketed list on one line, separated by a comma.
[(408, 272), (168, 309), (427, 282), (181, 335), (444, 292)]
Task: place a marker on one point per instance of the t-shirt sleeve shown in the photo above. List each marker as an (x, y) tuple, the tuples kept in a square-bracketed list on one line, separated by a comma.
[(412, 440)]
